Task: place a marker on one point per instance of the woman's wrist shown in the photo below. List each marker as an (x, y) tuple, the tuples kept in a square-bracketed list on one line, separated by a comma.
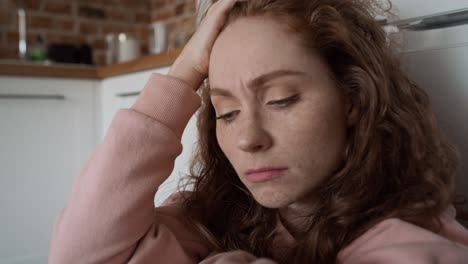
[(186, 73)]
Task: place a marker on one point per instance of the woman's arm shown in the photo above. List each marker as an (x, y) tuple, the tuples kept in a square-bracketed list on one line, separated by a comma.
[(110, 216), (111, 205)]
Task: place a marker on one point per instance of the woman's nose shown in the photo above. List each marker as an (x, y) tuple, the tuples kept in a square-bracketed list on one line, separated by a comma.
[(253, 137)]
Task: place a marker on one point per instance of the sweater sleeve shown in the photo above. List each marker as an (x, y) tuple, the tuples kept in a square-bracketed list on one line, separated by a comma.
[(110, 212), (397, 241)]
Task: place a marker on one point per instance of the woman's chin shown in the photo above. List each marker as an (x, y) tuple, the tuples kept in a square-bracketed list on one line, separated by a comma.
[(271, 199)]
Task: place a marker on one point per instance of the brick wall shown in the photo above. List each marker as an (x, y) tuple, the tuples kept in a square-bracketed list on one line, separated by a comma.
[(88, 21), (180, 16), (75, 22)]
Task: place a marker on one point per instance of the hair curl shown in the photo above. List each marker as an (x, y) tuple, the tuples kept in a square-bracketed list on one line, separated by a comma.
[(397, 165)]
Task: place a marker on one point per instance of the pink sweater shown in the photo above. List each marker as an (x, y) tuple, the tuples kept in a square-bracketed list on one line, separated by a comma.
[(110, 215)]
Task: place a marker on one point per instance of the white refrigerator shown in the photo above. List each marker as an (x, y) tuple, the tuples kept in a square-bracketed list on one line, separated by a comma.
[(434, 53)]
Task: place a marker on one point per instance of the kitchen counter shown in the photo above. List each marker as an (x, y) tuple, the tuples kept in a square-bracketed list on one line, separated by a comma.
[(17, 68)]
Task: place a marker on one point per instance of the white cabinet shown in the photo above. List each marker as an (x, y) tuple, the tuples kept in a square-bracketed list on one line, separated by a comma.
[(47, 130), (406, 9), (121, 92)]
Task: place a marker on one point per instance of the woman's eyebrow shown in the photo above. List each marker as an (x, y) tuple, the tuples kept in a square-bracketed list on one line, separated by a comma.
[(258, 81)]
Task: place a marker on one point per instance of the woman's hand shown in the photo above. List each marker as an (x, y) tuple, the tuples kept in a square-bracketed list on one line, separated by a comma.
[(192, 63), (235, 257)]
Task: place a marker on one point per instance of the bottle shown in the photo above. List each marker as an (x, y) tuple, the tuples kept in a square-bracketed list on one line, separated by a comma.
[(158, 41), (111, 48), (37, 52)]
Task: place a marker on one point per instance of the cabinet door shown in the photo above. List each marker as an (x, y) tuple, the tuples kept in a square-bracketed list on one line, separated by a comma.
[(406, 9), (121, 92), (47, 131), (442, 74)]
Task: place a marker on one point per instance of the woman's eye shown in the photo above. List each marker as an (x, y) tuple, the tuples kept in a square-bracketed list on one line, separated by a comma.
[(229, 117), (285, 102)]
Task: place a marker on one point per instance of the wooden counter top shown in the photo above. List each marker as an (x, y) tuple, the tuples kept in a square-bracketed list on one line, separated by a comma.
[(85, 71)]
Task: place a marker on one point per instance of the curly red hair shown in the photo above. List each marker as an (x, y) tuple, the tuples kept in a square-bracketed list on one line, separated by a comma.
[(397, 165)]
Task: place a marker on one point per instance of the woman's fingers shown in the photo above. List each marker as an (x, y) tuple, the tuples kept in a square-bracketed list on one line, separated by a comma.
[(235, 257), (192, 63)]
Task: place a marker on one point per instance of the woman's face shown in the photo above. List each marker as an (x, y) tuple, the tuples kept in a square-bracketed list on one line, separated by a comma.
[(292, 116)]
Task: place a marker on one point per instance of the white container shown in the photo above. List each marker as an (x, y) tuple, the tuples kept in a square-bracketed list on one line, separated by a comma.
[(158, 41), (128, 48), (121, 47)]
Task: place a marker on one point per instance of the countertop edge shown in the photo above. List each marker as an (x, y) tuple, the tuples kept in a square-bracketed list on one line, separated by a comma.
[(89, 72), (57, 71)]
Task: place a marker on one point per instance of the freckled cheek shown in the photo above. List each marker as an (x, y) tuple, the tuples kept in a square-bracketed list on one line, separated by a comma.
[(315, 136), (298, 137), (226, 142)]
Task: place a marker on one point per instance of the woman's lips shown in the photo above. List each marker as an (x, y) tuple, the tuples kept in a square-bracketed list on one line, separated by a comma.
[(264, 174)]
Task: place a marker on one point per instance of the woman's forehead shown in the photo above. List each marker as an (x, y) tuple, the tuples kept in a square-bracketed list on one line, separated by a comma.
[(260, 81), (253, 38), (251, 47)]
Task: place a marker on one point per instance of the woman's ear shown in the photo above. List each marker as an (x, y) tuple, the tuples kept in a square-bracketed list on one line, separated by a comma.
[(352, 112)]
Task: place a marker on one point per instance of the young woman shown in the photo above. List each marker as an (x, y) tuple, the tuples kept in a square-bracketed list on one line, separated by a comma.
[(314, 147)]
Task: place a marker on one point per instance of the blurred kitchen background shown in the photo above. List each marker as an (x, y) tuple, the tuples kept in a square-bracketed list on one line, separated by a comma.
[(55, 107), (79, 22)]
